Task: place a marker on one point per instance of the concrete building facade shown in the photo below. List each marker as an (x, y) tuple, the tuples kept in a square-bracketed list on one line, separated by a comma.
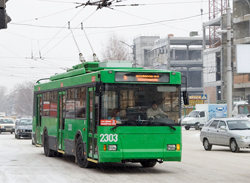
[(241, 35), (183, 54)]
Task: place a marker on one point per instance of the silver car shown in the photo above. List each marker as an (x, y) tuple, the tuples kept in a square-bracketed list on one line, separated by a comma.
[(232, 132)]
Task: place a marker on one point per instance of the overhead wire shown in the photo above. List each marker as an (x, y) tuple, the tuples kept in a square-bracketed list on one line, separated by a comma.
[(149, 19), (69, 33), (14, 53), (60, 30), (46, 16), (120, 26)]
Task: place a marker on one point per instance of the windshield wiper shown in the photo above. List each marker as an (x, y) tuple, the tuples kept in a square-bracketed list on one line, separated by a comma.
[(171, 127), (164, 124), (114, 128)]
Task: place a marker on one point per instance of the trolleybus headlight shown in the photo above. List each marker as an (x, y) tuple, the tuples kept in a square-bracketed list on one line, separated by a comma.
[(112, 147), (171, 147)]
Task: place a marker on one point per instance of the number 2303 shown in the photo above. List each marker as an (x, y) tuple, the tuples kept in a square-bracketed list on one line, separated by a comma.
[(109, 138)]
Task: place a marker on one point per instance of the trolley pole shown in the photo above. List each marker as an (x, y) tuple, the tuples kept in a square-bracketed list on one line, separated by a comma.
[(229, 66)]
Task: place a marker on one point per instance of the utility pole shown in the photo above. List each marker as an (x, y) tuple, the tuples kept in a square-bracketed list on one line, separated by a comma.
[(133, 49), (229, 66)]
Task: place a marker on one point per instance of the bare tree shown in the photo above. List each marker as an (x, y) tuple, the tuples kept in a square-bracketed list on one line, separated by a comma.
[(115, 49), (3, 90), (23, 98)]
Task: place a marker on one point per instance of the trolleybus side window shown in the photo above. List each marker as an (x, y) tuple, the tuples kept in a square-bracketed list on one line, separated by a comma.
[(81, 102), (46, 103), (70, 103), (53, 104)]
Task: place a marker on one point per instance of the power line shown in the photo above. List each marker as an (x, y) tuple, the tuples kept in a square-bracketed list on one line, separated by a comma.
[(59, 31), (69, 33), (113, 27), (150, 4), (45, 16)]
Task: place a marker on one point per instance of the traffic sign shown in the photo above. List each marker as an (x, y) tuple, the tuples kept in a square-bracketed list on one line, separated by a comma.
[(203, 97)]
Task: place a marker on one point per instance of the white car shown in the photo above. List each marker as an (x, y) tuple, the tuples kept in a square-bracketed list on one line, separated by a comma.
[(7, 125), (231, 132)]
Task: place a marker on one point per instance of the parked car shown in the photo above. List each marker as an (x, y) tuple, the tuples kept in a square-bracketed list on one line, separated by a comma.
[(16, 125), (7, 125), (246, 116), (23, 128), (231, 132), (207, 122)]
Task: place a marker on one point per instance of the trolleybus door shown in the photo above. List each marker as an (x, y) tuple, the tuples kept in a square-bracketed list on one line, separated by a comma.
[(61, 119), (38, 119), (93, 103)]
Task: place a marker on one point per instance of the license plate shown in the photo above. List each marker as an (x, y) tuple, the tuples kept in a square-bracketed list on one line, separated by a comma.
[(8, 129)]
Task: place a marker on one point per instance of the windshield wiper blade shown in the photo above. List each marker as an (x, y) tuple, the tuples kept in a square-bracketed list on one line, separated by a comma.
[(164, 124), (113, 128), (171, 127)]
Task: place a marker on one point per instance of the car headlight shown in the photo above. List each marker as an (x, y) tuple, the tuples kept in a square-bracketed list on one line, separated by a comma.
[(112, 147), (245, 137)]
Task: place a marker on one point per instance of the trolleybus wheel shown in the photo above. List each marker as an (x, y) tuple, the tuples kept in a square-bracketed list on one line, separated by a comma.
[(149, 163), (47, 151), (81, 160)]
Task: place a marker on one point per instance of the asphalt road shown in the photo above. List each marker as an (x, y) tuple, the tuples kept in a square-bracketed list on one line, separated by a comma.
[(21, 162)]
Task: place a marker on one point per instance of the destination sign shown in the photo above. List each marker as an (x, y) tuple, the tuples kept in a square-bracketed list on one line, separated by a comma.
[(141, 77)]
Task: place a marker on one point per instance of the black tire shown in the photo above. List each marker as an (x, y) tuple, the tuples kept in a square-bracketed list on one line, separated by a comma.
[(47, 151), (197, 126), (18, 136), (11, 132), (207, 145), (15, 135), (187, 127), (149, 163), (80, 157), (234, 146)]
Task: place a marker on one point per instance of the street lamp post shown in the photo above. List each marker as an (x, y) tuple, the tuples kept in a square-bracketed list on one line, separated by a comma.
[(133, 49)]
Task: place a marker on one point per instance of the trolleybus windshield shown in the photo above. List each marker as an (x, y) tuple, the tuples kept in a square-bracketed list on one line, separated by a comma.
[(130, 105)]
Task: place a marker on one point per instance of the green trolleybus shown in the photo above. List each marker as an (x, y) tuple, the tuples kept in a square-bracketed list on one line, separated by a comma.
[(98, 112)]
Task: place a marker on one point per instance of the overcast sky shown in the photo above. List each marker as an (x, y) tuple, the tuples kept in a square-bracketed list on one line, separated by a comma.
[(42, 26)]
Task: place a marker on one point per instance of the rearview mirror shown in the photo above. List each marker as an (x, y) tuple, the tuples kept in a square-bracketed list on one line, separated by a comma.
[(222, 128), (185, 98)]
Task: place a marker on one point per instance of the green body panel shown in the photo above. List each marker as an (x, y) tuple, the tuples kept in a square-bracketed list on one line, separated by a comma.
[(106, 77), (140, 143), (51, 125), (67, 82), (68, 74), (74, 125)]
